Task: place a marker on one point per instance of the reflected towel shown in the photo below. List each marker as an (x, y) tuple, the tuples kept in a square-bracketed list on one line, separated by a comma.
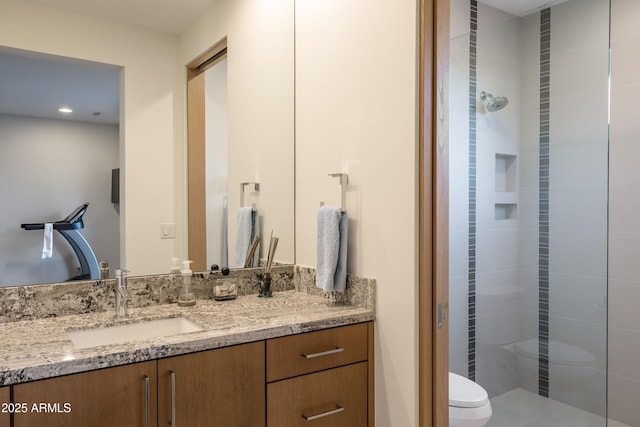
[(243, 238), (248, 228), (47, 246), (331, 272)]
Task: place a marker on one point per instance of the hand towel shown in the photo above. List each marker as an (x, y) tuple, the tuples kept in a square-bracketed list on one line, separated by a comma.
[(331, 271), (47, 246), (243, 238), (340, 278)]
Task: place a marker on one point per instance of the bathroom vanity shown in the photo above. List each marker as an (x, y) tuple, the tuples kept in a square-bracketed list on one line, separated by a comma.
[(256, 362), (226, 386)]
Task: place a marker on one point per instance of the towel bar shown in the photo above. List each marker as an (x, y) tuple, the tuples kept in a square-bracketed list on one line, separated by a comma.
[(256, 188), (344, 181)]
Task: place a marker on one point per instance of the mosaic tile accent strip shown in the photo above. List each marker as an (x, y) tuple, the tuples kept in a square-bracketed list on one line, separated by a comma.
[(543, 205), (473, 47)]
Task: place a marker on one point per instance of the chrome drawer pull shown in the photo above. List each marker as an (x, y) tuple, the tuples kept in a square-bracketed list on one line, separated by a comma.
[(323, 353), (147, 410), (173, 398), (323, 414)]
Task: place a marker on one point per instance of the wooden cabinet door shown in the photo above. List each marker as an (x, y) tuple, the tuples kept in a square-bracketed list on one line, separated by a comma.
[(105, 398), (333, 398), (223, 387), (5, 399)]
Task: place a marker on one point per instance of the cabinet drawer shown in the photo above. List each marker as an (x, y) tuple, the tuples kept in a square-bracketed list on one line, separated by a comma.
[(332, 398), (314, 351)]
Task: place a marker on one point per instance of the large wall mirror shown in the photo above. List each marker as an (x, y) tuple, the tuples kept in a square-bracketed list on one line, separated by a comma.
[(59, 148), (149, 142), (241, 132)]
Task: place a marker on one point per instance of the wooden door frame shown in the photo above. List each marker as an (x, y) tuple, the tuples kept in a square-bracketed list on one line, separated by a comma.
[(433, 217), (196, 164)]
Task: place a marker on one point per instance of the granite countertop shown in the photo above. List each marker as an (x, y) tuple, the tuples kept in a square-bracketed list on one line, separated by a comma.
[(40, 348)]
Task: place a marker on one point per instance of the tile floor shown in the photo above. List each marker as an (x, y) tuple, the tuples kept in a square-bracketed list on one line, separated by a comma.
[(521, 408)]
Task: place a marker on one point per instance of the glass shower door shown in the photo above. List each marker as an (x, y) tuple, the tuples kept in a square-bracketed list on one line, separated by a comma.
[(528, 210)]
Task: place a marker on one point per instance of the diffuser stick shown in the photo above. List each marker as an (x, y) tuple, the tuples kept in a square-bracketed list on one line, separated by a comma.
[(254, 245)]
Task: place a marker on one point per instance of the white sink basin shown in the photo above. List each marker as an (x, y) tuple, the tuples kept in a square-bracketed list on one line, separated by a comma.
[(146, 329)]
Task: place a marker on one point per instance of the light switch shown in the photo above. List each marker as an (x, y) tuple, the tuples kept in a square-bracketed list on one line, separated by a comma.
[(168, 231)]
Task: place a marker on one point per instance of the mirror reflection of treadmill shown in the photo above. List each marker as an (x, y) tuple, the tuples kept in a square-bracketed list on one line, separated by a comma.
[(69, 229)]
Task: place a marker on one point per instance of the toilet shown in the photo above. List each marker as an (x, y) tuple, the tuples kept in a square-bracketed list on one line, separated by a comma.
[(469, 404)]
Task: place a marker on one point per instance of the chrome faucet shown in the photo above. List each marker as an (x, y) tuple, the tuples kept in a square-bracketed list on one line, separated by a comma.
[(122, 295)]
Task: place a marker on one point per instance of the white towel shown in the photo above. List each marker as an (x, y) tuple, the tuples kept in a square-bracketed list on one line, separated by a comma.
[(333, 228), (47, 246), (243, 238)]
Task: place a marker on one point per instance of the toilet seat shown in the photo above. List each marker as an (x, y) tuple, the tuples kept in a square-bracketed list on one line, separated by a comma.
[(464, 393)]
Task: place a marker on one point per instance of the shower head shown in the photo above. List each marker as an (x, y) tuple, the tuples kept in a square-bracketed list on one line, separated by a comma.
[(493, 103)]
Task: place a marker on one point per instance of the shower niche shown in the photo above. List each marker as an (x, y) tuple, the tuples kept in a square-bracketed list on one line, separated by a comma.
[(506, 176)]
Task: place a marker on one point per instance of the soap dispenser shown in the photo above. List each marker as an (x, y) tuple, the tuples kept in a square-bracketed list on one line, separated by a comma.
[(175, 268), (186, 297)]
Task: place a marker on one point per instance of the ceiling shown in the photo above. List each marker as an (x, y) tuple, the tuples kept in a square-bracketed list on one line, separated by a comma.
[(37, 85)]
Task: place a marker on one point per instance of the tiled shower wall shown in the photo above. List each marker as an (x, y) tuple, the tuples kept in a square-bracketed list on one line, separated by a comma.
[(578, 194), (498, 313), (624, 227), (507, 267), (495, 270)]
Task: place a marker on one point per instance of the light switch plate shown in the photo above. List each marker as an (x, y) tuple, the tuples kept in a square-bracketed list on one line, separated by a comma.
[(168, 231)]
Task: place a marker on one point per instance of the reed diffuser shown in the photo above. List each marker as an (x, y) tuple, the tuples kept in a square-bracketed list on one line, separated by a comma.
[(265, 279)]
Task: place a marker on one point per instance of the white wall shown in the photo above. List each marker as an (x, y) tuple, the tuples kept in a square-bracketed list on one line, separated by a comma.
[(151, 113), (356, 98), (49, 167), (260, 104), (624, 202)]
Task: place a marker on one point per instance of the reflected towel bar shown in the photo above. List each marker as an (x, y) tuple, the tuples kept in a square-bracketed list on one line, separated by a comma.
[(256, 188)]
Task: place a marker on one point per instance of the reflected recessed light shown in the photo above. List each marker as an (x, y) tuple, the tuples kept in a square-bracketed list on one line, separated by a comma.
[(65, 110)]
